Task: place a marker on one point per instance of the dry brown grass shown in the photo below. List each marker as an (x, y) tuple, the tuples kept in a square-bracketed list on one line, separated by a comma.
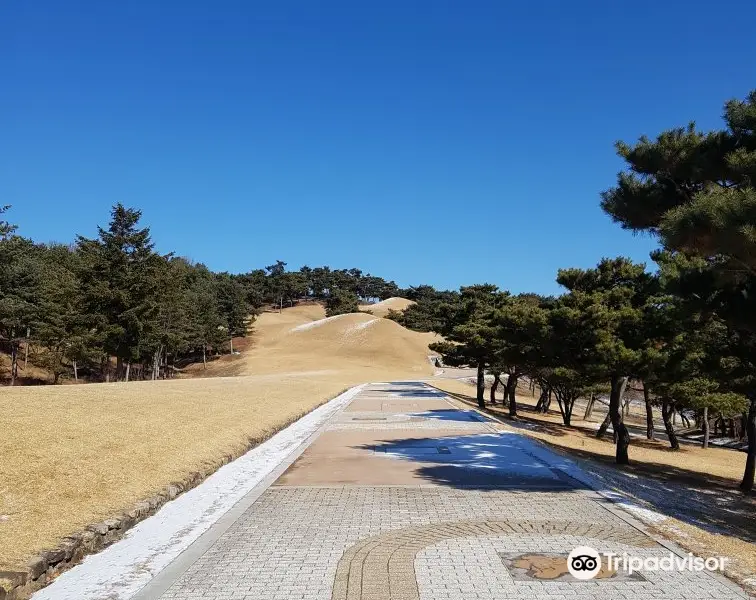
[(381, 309), (73, 455)]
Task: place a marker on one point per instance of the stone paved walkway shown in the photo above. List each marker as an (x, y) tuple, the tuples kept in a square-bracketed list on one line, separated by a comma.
[(406, 496)]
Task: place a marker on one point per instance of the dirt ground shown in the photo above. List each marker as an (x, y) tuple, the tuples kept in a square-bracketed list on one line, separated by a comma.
[(77, 454)]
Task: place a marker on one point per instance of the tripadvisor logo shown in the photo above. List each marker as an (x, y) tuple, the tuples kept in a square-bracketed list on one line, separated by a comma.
[(585, 563)]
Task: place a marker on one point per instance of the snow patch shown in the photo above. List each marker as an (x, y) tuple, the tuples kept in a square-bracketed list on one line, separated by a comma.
[(318, 323), (366, 324), (121, 570), (571, 468)]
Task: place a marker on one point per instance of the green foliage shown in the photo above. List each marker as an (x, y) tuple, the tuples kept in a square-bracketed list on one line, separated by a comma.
[(6, 229), (341, 302), (696, 192)]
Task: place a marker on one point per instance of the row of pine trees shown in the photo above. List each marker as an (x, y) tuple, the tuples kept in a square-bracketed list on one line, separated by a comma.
[(685, 334), (114, 309)]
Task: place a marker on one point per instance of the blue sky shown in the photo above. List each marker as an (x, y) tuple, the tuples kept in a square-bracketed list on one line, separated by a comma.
[(441, 142)]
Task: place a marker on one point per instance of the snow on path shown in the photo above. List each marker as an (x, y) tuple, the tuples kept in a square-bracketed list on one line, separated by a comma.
[(121, 570), (571, 468)]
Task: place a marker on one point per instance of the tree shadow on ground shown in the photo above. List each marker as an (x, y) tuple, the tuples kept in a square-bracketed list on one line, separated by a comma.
[(712, 503), (452, 414), (414, 391), (483, 461)]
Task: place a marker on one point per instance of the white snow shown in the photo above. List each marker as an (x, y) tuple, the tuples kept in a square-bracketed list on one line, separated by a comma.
[(366, 324), (318, 323), (121, 570), (571, 468)]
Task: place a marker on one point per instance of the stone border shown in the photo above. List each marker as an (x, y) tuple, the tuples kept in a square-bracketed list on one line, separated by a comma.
[(42, 569)]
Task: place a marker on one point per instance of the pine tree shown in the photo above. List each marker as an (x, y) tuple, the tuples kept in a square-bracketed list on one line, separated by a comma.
[(469, 329), (62, 326), (341, 302), (613, 297), (19, 291), (695, 190), (519, 325), (120, 286)]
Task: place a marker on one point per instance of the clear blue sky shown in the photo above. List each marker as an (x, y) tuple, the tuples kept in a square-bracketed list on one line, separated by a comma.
[(440, 142)]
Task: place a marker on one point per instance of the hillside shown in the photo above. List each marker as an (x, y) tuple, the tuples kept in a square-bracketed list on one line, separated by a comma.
[(303, 339), (108, 445), (381, 309)]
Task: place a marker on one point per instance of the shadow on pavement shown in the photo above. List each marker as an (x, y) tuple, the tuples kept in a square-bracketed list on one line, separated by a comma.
[(452, 414), (480, 461)]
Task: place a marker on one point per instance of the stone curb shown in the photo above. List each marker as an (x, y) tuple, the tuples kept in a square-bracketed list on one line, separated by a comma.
[(42, 569)]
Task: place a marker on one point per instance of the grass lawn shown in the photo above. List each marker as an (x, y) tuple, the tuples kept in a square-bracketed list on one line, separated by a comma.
[(73, 455)]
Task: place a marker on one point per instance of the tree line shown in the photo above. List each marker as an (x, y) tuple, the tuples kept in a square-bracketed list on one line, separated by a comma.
[(686, 332), (111, 308)]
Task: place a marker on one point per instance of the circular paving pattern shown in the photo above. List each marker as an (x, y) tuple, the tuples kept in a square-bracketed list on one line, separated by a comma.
[(382, 567)]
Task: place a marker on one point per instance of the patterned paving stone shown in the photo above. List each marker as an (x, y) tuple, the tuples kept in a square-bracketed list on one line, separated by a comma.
[(434, 541)]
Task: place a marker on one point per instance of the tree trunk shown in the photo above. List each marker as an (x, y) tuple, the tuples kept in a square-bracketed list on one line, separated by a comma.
[(541, 400), (649, 413), (604, 426), (119, 368), (231, 341), (156, 363), (494, 387), (747, 484), (569, 405), (620, 431), (547, 403), (14, 362), (589, 408), (705, 427), (565, 409), (128, 370), (481, 386), (511, 391), (26, 347), (204, 355), (76, 371), (668, 410)]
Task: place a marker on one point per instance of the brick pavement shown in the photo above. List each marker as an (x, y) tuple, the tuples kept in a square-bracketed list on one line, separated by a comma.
[(446, 501)]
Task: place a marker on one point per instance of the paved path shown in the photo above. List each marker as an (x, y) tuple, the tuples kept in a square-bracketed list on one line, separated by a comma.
[(404, 495)]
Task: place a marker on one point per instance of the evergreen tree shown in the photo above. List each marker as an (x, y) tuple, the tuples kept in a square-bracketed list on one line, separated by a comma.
[(6, 228), (120, 283), (519, 324), (62, 325), (341, 302), (469, 329), (19, 291), (613, 297), (695, 190)]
